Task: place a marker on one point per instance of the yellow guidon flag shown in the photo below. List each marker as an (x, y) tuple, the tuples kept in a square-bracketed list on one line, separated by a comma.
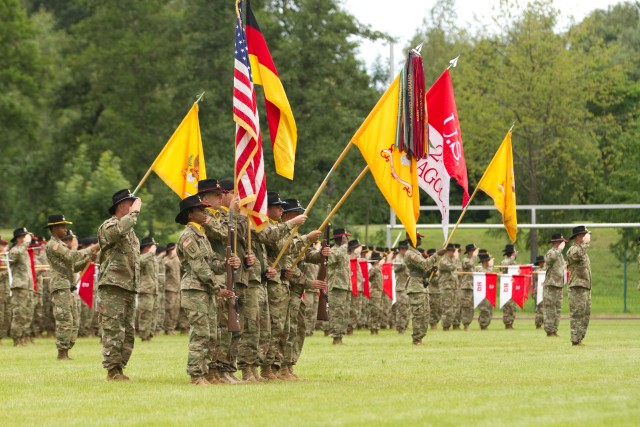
[(180, 164), (394, 171), (499, 183)]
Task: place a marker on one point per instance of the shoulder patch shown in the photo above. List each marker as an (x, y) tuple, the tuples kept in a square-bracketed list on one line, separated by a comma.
[(56, 247), (187, 242)]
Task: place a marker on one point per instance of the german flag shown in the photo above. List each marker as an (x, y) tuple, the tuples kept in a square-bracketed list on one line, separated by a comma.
[(282, 125)]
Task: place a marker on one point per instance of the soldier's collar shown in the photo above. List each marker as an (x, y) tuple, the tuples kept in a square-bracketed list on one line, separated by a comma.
[(224, 209), (196, 226), (213, 212)]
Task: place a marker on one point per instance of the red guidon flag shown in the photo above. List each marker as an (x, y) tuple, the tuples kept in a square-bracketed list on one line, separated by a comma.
[(32, 263), (282, 125), (388, 281), (364, 268), (484, 286), (519, 290), (85, 288), (353, 264)]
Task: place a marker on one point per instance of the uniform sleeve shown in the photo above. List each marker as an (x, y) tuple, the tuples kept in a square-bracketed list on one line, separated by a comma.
[(216, 230), (272, 233), (17, 253), (578, 252), (313, 256), (82, 260), (199, 266), (337, 254), (116, 230), (447, 265), (468, 263), (218, 266)]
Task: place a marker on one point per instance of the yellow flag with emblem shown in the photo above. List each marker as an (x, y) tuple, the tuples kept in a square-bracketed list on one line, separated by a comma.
[(394, 172), (180, 164), (499, 183)]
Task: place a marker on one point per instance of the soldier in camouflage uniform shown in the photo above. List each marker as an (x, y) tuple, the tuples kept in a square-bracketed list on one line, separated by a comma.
[(171, 289), (435, 303), (457, 294), (510, 308), (417, 270), (448, 284), (339, 285), (40, 258), (5, 304), (469, 263), (579, 283), (553, 285), (540, 266), (402, 305), (375, 292), (21, 286), (64, 260), (147, 289), (198, 287), (485, 308), (159, 306), (118, 281)]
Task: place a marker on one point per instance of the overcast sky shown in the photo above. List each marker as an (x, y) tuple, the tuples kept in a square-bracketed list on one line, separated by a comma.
[(401, 18)]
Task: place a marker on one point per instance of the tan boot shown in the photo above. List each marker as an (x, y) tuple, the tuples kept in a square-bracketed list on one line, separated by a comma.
[(114, 375), (293, 374), (199, 380), (337, 341), (283, 374), (254, 371), (456, 327), (326, 333), (16, 342), (124, 377), (434, 327), (247, 375), (63, 355), (417, 342), (230, 377), (212, 377), (466, 327), (266, 372)]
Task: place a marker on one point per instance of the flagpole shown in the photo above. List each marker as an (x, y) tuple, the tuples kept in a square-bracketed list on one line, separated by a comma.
[(144, 179), (313, 201)]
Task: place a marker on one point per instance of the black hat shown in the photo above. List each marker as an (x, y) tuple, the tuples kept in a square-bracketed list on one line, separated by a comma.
[(209, 185), (539, 259), (22, 231), (227, 185), (379, 249), (353, 244), (188, 203), (470, 247), (365, 249), (170, 246), (482, 251), (508, 249), (403, 244), (581, 229), (147, 241), (451, 247), (70, 235), (375, 256), (339, 232), (371, 248), (120, 196), (457, 245), (55, 220), (431, 251), (291, 205), (160, 249), (484, 257), (273, 199), (557, 238)]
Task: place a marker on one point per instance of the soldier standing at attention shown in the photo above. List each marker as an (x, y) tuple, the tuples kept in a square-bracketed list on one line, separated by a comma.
[(403, 308), (118, 281), (469, 264), (375, 292), (553, 285), (339, 283), (64, 261), (21, 286), (148, 288), (171, 289), (579, 283), (509, 309), (158, 321), (540, 266), (485, 307), (5, 306), (199, 287), (448, 284), (40, 258), (435, 305)]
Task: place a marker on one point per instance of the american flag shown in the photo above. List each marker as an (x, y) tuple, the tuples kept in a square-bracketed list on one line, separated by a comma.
[(249, 173)]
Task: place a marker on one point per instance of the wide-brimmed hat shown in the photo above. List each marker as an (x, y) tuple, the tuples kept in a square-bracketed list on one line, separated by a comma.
[(375, 256), (431, 251), (482, 251), (379, 249), (273, 199), (227, 185), (160, 249), (147, 241), (353, 244), (22, 231), (403, 244), (188, 203), (470, 247), (508, 249), (484, 257), (171, 245), (120, 196), (581, 229), (339, 232), (291, 205), (557, 237), (451, 247), (539, 259), (56, 219), (209, 185), (457, 245)]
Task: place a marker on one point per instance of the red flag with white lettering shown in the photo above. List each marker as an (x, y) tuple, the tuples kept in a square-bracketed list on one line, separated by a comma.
[(484, 286), (364, 268), (388, 281), (85, 290), (519, 293), (353, 264), (32, 262)]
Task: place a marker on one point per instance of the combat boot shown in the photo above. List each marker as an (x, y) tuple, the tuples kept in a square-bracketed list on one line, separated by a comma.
[(337, 341), (266, 372), (212, 377), (254, 371), (232, 378), (114, 375), (283, 374), (293, 374), (63, 355), (466, 327), (456, 327), (16, 342), (508, 326), (417, 342), (326, 333), (198, 380), (124, 377), (247, 375)]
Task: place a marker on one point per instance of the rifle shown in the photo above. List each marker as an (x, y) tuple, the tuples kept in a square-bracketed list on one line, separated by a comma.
[(323, 300), (233, 325)]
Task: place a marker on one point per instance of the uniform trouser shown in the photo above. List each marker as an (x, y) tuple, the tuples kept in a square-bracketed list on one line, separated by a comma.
[(172, 310), (183, 321), (146, 303), (338, 311), (227, 342), (279, 311), (63, 313), (116, 308), (466, 306), (86, 316), (552, 308), (353, 312), (297, 308), (418, 315), (48, 321), (249, 323), (447, 305), (363, 305), (311, 314), (375, 313), (76, 317), (159, 312), (264, 324), (485, 313), (435, 308), (20, 308), (457, 296), (37, 325), (5, 315), (509, 312), (580, 310), (387, 320), (539, 319), (403, 310), (200, 309)]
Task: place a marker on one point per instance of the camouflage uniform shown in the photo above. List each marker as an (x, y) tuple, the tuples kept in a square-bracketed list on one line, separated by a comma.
[(147, 291), (198, 286), (375, 301), (118, 280), (579, 290), (485, 308), (552, 290), (5, 305), (466, 290), (339, 285), (538, 309), (435, 303), (64, 262), (417, 267), (448, 284), (37, 326), (160, 302), (171, 293), (311, 302), (354, 303), (509, 309), (457, 296), (403, 307), (21, 291)]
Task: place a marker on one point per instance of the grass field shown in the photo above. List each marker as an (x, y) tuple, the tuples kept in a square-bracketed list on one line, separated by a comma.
[(494, 377)]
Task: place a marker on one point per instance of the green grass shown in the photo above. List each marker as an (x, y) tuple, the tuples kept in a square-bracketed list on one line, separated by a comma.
[(493, 377)]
